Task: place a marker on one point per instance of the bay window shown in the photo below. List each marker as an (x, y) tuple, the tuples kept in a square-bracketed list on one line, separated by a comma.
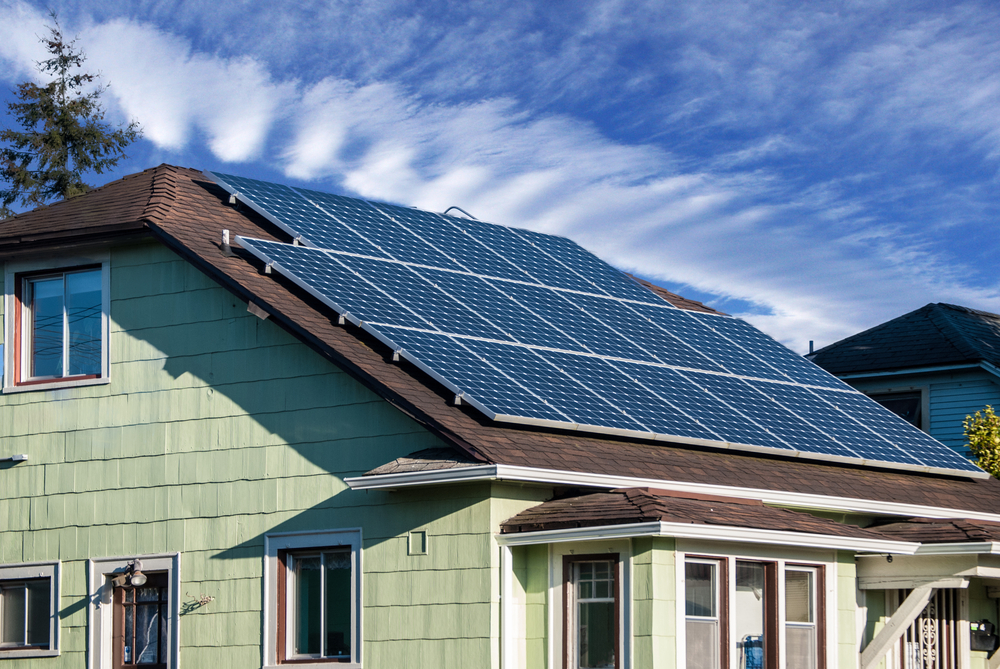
[(748, 619), (591, 621)]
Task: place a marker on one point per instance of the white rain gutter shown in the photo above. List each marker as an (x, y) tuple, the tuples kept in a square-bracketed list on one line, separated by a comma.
[(532, 475), (709, 533)]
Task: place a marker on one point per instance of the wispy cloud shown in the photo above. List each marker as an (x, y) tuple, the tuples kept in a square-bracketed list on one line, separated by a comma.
[(759, 152)]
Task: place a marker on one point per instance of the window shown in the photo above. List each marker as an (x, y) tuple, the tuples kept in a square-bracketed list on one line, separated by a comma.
[(590, 635), (313, 587), (28, 600), (57, 325), (134, 624), (907, 406), (752, 620), (140, 624)]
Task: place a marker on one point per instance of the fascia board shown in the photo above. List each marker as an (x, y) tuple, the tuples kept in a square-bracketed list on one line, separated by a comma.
[(968, 548), (908, 371), (783, 498), (725, 533)]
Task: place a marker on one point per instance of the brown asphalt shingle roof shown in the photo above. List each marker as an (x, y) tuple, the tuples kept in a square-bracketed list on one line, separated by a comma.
[(639, 505), (187, 212), (941, 531)]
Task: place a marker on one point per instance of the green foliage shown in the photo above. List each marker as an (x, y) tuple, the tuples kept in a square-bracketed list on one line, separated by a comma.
[(983, 432), (64, 133)]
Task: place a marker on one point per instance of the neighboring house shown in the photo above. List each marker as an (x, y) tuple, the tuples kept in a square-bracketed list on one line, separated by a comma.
[(933, 366), (205, 464)]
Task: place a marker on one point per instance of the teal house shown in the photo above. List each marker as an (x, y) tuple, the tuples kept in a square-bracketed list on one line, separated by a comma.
[(933, 366), (248, 425)]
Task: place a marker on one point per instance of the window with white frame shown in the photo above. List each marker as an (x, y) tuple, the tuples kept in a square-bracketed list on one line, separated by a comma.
[(134, 615), (57, 323), (738, 618), (28, 602), (313, 585), (591, 621)]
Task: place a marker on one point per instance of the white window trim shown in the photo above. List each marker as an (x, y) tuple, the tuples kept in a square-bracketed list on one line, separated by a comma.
[(291, 541), (55, 264), (829, 612), (26, 570), (100, 620)]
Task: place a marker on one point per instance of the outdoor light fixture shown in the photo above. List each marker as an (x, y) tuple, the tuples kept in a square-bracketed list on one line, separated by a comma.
[(132, 576)]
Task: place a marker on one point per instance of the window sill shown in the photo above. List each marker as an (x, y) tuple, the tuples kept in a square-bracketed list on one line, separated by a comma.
[(56, 384), (14, 653)]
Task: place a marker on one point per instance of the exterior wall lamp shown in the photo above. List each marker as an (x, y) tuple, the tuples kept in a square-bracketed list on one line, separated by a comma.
[(132, 577)]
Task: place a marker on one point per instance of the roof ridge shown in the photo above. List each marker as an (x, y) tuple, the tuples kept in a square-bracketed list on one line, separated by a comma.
[(954, 333), (162, 193)]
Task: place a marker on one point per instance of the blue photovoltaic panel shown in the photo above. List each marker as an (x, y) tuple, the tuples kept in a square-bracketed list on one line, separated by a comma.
[(557, 309), (652, 339), (467, 373), (510, 317), (722, 420), (641, 405), (580, 404), (327, 278), (794, 366), (601, 275), (535, 264), (780, 422), (532, 328), (709, 343), (436, 308)]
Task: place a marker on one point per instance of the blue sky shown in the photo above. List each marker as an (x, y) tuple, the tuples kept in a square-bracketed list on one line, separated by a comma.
[(816, 168)]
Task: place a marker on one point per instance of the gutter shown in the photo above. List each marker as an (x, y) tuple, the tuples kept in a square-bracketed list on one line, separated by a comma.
[(552, 477), (958, 548), (709, 533)]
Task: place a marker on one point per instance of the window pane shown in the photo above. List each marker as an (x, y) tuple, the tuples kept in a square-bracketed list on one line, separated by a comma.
[(308, 604), (147, 633), (596, 634), (338, 604), (798, 596), (801, 646), (83, 311), (699, 589), (703, 644), (129, 634), (12, 602), (748, 611), (47, 327), (38, 613)]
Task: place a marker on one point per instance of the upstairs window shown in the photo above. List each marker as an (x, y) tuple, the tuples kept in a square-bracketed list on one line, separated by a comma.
[(58, 327)]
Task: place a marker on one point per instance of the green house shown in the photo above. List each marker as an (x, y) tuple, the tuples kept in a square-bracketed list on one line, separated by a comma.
[(204, 463)]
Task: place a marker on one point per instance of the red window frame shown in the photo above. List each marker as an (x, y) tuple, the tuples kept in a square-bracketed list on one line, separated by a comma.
[(20, 280)]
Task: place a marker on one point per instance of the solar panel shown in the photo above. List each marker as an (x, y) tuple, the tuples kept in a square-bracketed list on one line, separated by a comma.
[(531, 328)]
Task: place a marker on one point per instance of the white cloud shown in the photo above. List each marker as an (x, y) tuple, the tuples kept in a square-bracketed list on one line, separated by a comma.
[(816, 256)]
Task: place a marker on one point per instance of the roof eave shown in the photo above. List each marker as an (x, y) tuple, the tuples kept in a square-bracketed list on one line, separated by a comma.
[(726, 533)]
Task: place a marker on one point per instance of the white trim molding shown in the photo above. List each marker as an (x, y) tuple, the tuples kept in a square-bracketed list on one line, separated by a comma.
[(710, 533), (11, 270), (100, 622), (784, 498), (32, 570), (968, 548), (292, 541)]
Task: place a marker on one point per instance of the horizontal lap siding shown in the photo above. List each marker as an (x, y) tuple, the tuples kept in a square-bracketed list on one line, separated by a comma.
[(217, 428), (953, 400)]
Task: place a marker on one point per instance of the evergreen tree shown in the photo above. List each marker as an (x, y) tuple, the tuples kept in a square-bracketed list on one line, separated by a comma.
[(983, 432), (63, 131)]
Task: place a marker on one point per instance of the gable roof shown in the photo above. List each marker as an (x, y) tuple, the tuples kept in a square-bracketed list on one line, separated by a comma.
[(936, 334), (187, 212)]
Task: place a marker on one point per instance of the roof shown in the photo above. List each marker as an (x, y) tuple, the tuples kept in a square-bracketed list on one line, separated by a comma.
[(937, 334), (675, 299), (941, 531), (641, 505), (187, 212)]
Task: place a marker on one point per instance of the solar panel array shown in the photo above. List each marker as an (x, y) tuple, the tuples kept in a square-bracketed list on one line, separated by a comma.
[(532, 329)]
